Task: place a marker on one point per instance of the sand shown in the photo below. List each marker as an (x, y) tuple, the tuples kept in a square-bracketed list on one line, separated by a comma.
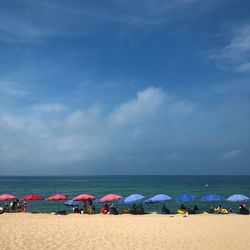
[(75, 231)]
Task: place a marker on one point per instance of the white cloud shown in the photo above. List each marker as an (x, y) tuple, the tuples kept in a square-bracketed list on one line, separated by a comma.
[(244, 67), (48, 107), (151, 102), (144, 106), (236, 54), (231, 154), (79, 118), (11, 121)]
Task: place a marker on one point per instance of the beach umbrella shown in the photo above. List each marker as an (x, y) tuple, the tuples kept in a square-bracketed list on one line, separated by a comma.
[(83, 197), (57, 197), (237, 198), (110, 197), (32, 197), (4, 197), (133, 198), (97, 200), (72, 203), (212, 197), (185, 197), (158, 198)]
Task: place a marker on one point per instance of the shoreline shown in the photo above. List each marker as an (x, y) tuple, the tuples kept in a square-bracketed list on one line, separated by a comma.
[(153, 214), (123, 214)]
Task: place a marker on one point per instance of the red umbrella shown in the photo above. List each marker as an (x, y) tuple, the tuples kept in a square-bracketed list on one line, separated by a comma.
[(110, 197), (32, 197), (58, 197), (83, 197), (7, 197)]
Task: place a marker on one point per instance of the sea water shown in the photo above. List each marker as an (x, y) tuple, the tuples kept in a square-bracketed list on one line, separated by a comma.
[(124, 186)]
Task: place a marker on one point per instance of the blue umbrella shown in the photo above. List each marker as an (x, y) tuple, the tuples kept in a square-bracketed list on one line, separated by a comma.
[(237, 197), (72, 203), (158, 198), (97, 200), (212, 197), (185, 197), (133, 198)]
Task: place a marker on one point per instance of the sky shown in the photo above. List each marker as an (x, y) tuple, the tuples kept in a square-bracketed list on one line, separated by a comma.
[(125, 87)]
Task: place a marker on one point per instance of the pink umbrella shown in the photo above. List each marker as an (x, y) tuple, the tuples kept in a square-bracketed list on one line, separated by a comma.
[(58, 197), (83, 197), (7, 197), (32, 197), (110, 197)]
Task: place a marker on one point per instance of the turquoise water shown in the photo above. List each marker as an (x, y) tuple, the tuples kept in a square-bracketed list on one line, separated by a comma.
[(124, 186)]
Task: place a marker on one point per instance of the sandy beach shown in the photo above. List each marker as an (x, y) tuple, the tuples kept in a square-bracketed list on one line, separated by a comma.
[(45, 231)]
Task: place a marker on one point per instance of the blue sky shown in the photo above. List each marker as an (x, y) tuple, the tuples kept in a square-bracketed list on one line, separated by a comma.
[(124, 87)]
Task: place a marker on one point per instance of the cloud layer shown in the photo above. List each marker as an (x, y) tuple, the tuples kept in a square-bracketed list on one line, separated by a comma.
[(154, 128), (235, 55), (46, 19)]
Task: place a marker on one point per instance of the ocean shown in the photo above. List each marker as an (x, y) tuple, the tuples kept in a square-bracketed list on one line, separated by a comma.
[(124, 186)]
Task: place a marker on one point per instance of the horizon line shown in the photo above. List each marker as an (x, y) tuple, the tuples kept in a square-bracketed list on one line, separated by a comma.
[(96, 175)]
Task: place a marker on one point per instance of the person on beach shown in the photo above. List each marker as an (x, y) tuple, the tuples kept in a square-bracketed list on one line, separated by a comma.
[(218, 209), (90, 206), (133, 209), (90, 202), (6, 208), (76, 210), (244, 205), (93, 209), (221, 210), (138, 209), (18, 205), (142, 209), (13, 205), (164, 209), (243, 209), (23, 208), (105, 209), (113, 210), (193, 210)]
